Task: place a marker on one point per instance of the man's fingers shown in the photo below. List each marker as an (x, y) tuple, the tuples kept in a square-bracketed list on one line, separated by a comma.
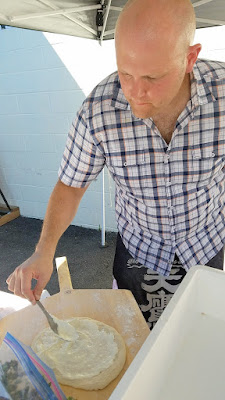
[(20, 281), (20, 285), (8, 279), (10, 282), (17, 286), (26, 287), (14, 285), (39, 288)]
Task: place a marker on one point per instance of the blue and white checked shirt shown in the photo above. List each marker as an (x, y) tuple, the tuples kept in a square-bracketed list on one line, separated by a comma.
[(169, 198)]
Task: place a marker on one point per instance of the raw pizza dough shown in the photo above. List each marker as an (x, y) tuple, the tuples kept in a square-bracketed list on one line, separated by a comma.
[(91, 361)]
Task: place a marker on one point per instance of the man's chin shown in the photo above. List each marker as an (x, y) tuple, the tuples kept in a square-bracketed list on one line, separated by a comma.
[(142, 112)]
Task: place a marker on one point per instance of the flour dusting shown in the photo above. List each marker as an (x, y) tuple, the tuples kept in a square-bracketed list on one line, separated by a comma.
[(125, 311)]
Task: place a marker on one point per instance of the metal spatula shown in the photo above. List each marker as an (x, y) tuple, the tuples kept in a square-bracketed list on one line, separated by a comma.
[(53, 325)]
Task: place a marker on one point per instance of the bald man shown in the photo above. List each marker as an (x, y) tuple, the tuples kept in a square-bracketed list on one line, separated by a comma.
[(158, 125)]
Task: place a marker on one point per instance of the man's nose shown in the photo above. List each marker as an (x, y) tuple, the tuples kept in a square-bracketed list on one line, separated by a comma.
[(138, 89)]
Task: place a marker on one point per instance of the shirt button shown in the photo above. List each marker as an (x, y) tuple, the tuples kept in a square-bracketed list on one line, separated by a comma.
[(197, 156), (173, 229), (166, 158), (125, 164), (170, 210), (213, 154)]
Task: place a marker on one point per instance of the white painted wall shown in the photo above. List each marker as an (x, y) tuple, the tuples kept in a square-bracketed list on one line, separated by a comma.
[(213, 43), (43, 80)]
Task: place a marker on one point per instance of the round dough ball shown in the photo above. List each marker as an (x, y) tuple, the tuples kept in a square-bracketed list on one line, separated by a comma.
[(91, 361)]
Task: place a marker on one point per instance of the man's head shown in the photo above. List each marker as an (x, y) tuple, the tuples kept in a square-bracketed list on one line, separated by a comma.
[(155, 53)]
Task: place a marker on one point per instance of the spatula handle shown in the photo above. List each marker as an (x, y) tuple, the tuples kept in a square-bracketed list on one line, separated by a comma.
[(52, 323)]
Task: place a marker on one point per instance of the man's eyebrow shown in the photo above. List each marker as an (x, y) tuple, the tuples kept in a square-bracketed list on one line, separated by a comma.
[(149, 76), (156, 76), (123, 72)]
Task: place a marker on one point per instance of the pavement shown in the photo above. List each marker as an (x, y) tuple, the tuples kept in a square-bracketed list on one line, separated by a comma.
[(90, 264)]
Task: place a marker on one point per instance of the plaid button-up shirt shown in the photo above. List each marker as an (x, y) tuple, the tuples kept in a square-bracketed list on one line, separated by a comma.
[(170, 198)]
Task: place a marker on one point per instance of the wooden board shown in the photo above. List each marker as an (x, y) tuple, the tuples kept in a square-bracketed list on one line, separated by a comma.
[(117, 308), (10, 215)]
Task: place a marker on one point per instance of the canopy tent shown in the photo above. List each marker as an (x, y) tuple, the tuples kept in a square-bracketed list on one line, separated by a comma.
[(91, 19)]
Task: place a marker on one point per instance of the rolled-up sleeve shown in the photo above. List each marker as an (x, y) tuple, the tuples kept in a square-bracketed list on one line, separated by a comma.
[(82, 160)]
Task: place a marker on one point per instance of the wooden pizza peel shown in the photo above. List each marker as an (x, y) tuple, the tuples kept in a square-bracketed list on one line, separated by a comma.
[(117, 308)]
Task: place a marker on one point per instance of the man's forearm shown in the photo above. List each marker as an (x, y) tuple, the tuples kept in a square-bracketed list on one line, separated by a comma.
[(62, 207)]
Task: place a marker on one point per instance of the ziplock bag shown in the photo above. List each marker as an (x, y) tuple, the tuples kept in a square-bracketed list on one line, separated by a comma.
[(23, 376)]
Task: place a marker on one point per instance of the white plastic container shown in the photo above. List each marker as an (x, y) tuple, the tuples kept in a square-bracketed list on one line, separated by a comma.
[(184, 356)]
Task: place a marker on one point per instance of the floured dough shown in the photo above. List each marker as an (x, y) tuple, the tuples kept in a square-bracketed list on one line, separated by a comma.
[(91, 361)]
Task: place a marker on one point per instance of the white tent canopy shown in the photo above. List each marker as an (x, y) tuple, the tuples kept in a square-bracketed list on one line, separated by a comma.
[(91, 19)]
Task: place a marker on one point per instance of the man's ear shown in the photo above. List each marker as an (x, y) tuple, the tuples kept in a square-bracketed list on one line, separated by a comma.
[(192, 56)]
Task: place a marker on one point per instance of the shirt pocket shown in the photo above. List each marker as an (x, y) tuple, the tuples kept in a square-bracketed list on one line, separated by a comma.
[(206, 164), (133, 172)]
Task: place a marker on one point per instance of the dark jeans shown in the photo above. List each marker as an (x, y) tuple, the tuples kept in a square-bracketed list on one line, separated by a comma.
[(151, 290)]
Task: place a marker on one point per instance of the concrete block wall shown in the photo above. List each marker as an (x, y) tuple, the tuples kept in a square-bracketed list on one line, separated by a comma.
[(39, 98)]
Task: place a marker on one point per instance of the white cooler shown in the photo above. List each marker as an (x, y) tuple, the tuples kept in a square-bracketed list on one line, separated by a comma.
[(184, 356)]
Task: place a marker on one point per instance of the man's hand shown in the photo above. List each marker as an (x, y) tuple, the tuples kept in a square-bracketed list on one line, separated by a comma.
[(36, 267), (62, 207)]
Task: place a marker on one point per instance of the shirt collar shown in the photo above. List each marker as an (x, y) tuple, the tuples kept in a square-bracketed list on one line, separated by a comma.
[(118, 98), (201, 86)]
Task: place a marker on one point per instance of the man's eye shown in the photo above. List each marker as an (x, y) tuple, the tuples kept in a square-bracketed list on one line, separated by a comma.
[(127, 76), (150, 78)]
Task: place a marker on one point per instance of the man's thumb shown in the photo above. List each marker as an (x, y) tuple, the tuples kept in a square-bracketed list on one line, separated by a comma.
[(39, 288)]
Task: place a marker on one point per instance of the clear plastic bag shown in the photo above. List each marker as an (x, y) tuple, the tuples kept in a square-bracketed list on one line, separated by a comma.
[(23, 376)]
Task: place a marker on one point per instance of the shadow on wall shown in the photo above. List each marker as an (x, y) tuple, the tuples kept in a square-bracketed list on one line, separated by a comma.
[(39, 99)]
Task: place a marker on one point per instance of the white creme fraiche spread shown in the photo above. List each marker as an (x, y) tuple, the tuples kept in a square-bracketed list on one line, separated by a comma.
[(91, 351), (65, 330)]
